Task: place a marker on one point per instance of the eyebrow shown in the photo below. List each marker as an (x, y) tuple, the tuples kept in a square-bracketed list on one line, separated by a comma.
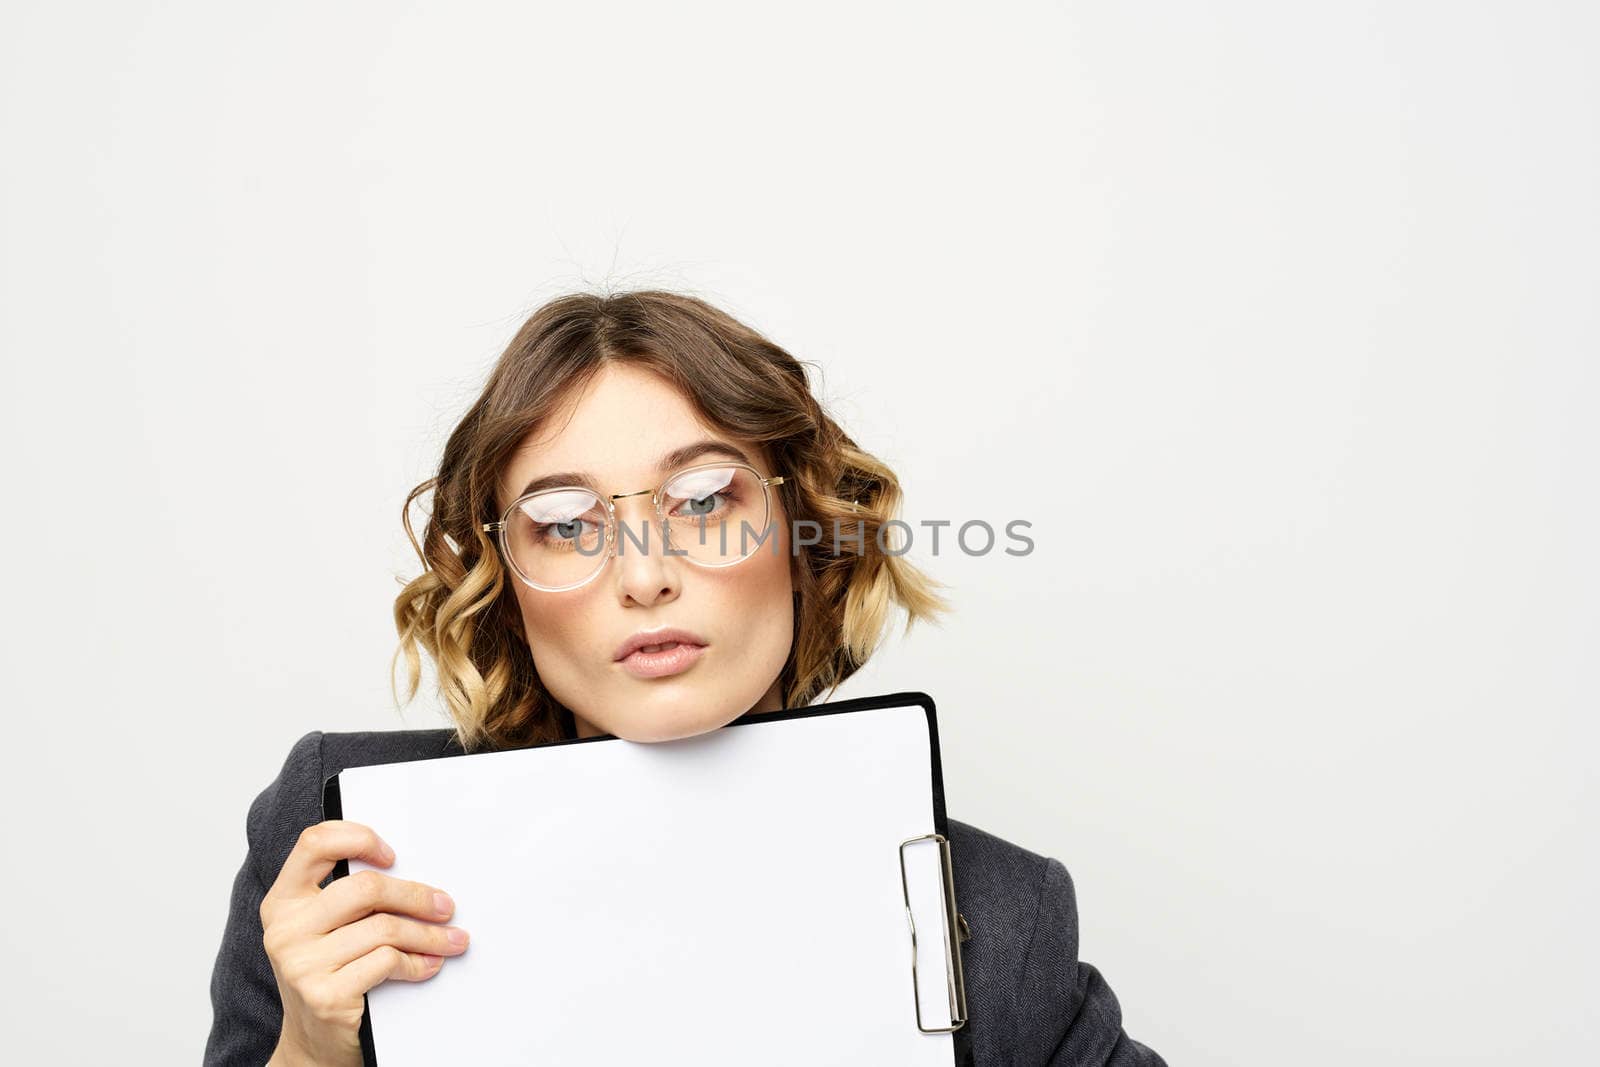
[(676, 458)]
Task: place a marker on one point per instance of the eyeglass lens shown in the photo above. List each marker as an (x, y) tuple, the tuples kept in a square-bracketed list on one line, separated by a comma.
[(714, 516)]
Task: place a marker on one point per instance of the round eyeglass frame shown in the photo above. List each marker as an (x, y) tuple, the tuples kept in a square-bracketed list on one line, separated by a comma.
[(498, 528)]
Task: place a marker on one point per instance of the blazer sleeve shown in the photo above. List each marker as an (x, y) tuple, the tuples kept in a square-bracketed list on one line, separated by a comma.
[(246, 1011), (1072, 1018)]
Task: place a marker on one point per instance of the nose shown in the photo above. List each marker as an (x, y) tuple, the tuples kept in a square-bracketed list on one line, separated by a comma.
[(645, 574)]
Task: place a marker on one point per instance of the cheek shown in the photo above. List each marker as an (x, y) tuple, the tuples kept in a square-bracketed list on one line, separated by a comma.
[(553, 624), (766, 600)]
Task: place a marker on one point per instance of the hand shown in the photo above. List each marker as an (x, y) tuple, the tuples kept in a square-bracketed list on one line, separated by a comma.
[(329, 946)]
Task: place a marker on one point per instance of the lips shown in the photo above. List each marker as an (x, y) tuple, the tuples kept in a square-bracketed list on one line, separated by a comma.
[(658, 641), (672, 659)]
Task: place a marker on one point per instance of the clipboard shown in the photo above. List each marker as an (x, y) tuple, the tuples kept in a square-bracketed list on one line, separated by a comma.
[(842, 850)]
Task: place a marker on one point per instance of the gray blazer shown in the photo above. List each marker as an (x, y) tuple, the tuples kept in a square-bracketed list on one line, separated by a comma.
[(1030, 1000)]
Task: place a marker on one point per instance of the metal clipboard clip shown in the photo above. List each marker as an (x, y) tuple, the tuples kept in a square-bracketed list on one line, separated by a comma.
[(955, 985)]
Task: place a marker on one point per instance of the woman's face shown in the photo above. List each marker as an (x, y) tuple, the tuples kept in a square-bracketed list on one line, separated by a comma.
[(617, 429)]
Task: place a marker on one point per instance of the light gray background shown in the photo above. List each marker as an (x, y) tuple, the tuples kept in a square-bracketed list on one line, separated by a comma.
[(1277, 321)]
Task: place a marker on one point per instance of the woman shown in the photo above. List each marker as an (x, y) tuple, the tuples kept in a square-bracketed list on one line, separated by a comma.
[(550, 614)]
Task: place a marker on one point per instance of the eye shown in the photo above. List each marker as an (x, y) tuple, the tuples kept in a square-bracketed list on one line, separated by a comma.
[(560, 520), (560, 531), (703, 493), (704, 505)]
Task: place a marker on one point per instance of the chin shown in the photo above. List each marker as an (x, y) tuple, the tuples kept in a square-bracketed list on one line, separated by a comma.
[(673, 716)]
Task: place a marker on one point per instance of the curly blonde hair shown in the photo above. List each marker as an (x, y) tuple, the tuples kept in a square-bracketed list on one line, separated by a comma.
[(462, 608)]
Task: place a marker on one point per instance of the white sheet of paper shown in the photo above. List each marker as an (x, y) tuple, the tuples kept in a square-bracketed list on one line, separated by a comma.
[(734, 897)]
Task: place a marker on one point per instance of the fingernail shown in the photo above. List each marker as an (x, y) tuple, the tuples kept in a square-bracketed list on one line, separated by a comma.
[(443, 904), (456, 936), (385, 852)]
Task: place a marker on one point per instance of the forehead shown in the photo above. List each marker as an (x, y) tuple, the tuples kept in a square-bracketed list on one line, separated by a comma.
[(615, 429)]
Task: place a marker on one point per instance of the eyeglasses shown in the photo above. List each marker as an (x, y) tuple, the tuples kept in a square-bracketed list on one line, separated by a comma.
[(712, 514)]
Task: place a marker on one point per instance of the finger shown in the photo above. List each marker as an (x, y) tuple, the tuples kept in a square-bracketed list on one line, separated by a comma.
[(356, 939), (324, 844), (365, 892), (386, 962)]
